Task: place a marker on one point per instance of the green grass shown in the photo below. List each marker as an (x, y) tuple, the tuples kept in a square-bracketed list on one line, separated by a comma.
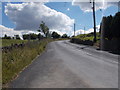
[(87, 36), (14, 61), (7, 42)]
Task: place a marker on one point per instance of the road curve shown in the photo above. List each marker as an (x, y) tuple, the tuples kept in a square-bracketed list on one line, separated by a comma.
[(66, 65)]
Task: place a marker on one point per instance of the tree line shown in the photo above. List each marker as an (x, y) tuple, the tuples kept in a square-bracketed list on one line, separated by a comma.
[(43, 28), (33, 36)]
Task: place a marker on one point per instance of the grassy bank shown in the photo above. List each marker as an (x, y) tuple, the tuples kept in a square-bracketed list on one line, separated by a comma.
[(14, 61), (8, 42), (86, 37)]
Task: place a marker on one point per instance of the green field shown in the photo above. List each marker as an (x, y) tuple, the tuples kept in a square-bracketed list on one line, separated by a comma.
[(8, 42)]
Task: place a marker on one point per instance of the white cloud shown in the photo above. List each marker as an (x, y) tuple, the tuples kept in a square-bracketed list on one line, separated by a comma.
[(81, 31), (59, 32), (68, 9), (11, 32), (28, 16), (87, 6), (8, 31)]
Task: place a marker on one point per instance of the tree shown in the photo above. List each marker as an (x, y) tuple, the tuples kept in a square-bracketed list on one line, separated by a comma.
[(6, 37), (30, 36), (64, 36), (39, 36), (17, 37), (105, 27), (33, 36), (55, 35), (25, 36), (110, 27), (44, 29), (115, 26)]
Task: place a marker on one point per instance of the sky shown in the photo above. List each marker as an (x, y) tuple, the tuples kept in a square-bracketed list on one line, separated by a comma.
[(20, 18)]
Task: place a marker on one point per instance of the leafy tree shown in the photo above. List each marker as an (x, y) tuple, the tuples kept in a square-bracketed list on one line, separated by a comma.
[(17, 37), (115, 26), (39, 36), (33, 36), (55, 35), (6, 37), (110, 27), (105, 27), (64, 36), (44, 29), (25, 36)]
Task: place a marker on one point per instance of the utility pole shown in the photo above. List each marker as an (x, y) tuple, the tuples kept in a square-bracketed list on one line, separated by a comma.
[(94, 20), (84, 29), (74, 29), (119, 6)]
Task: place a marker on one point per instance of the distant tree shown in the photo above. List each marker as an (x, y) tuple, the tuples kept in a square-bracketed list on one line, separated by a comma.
[(25, 37), (30, 36), (17, 37), (39, 36), (44, 29), (33, 36), (6, 37), (64, 36), (55, 35)]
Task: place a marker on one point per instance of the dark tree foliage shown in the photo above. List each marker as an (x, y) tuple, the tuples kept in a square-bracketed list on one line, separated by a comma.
[(17, 37), (39, 36), (115, 26), (6, 37), (64, 36), (110, 27), (55, 35), (31, 36), (44, 29)]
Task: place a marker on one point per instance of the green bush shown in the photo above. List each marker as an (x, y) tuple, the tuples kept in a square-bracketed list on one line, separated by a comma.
[(86, 39)]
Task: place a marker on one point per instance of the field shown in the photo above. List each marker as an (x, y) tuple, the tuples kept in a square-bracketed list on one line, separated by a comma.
[(7, 42), (14, 61)]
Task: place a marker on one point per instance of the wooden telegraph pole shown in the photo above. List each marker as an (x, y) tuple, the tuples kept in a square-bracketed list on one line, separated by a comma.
[(94, 20), (74, 29)]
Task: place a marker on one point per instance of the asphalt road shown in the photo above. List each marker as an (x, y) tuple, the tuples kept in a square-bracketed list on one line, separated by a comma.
[(67, 65)]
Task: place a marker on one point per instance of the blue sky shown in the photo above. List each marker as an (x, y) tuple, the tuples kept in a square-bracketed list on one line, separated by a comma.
[(81, 18)]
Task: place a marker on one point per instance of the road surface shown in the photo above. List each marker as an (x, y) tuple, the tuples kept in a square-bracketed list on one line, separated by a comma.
[(67, 65)]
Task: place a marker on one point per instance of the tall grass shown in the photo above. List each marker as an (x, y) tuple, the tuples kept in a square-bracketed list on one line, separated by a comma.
[(14, 61)]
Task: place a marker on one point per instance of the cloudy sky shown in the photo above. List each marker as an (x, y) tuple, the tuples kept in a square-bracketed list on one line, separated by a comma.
[(21, 17)]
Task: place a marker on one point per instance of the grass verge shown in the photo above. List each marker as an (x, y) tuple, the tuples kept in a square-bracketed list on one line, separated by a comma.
[(14, 61)]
